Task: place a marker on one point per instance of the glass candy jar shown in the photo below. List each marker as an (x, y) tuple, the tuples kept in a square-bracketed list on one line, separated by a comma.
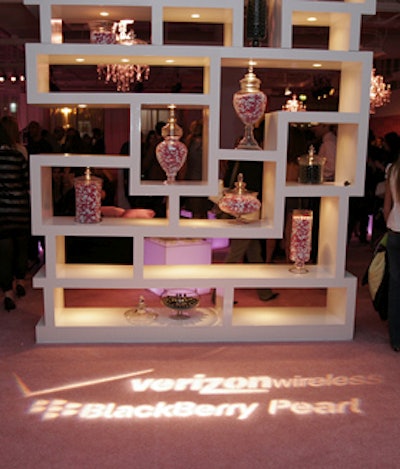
[(311, 168), (180, 300), (239, 201), (88, 198), (249, 103), (141, 313), (171, 153), (102, 32), (300, 240)]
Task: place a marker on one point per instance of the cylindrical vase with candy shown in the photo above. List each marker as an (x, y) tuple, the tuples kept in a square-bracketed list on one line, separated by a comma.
[(171, 153), (300, 240), (249, 103), (88, 198)]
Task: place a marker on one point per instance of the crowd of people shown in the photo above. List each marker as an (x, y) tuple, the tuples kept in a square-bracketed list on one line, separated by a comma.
[(380, 203), (19, 250)]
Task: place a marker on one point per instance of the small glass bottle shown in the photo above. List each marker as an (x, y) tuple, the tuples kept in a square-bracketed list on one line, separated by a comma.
[(249, 103), (171, 152)]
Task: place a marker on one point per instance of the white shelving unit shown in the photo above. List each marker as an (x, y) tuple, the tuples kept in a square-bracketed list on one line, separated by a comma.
[(225, 322)]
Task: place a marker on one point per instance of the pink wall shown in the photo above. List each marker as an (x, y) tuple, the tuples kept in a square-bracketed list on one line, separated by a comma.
[(383, 125), (116, 129)]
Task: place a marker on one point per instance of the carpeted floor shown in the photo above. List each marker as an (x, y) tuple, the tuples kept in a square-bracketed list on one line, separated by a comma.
[(218, 406)]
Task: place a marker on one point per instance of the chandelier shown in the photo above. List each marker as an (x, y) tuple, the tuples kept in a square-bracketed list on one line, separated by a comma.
[(294, 105), (123, 75), (379, 92)]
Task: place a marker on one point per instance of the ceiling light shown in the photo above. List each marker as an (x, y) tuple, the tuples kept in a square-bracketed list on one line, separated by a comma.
[(170, 61), (294, 105), (79, 59), (104, 13), (317, 65), (312, 19), (195, 15)]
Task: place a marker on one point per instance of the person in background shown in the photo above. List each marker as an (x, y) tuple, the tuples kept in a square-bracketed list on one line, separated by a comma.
[(391, 210), (15, 220), (240, 249), (193, 169), (59, 137), (327, 148), (98, 144), (35, 142), (152, 171), (11, 126)]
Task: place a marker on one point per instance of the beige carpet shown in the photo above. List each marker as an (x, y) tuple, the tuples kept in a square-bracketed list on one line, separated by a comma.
[(237, 406)]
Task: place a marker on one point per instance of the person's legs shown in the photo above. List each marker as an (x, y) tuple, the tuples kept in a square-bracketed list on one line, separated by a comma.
[(21, 254), (393, 250), (237, 249), (254, 256), (6, 272)]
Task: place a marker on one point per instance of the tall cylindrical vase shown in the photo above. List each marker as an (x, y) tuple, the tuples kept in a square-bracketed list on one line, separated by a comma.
[(300, 240), (88, 198)]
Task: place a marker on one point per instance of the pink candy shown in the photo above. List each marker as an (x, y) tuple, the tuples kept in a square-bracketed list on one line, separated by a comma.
[(237, 205), (300, 242), (102, 37), (249, 106), (171, 154), (87, 201)]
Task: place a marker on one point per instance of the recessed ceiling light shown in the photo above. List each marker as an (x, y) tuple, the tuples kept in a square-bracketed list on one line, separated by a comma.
[(125, 60), (252, 62), (104, 13), (312, 19), (82, 106), (170, 61), (79, 59), (317, 65), (195, 16)]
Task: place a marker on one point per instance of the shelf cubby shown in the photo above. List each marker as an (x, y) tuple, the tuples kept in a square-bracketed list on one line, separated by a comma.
[(221, 320)]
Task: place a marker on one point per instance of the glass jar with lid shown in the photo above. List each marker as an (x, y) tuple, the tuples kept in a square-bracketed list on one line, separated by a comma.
[(311, 167)]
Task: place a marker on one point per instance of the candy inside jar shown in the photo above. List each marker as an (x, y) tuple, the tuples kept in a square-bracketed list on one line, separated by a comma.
[(249, 103), (88, 198), (239, 201), (171, 153), (311, 168), (300, 240), (101, 32)]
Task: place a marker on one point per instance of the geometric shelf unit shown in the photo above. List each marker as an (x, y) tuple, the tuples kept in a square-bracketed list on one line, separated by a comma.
[(334, 320)]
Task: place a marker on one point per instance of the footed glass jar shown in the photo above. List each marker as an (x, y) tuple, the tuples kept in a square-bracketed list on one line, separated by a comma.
[(249, 103), (171, 153), (180, 300), (239, 201)]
